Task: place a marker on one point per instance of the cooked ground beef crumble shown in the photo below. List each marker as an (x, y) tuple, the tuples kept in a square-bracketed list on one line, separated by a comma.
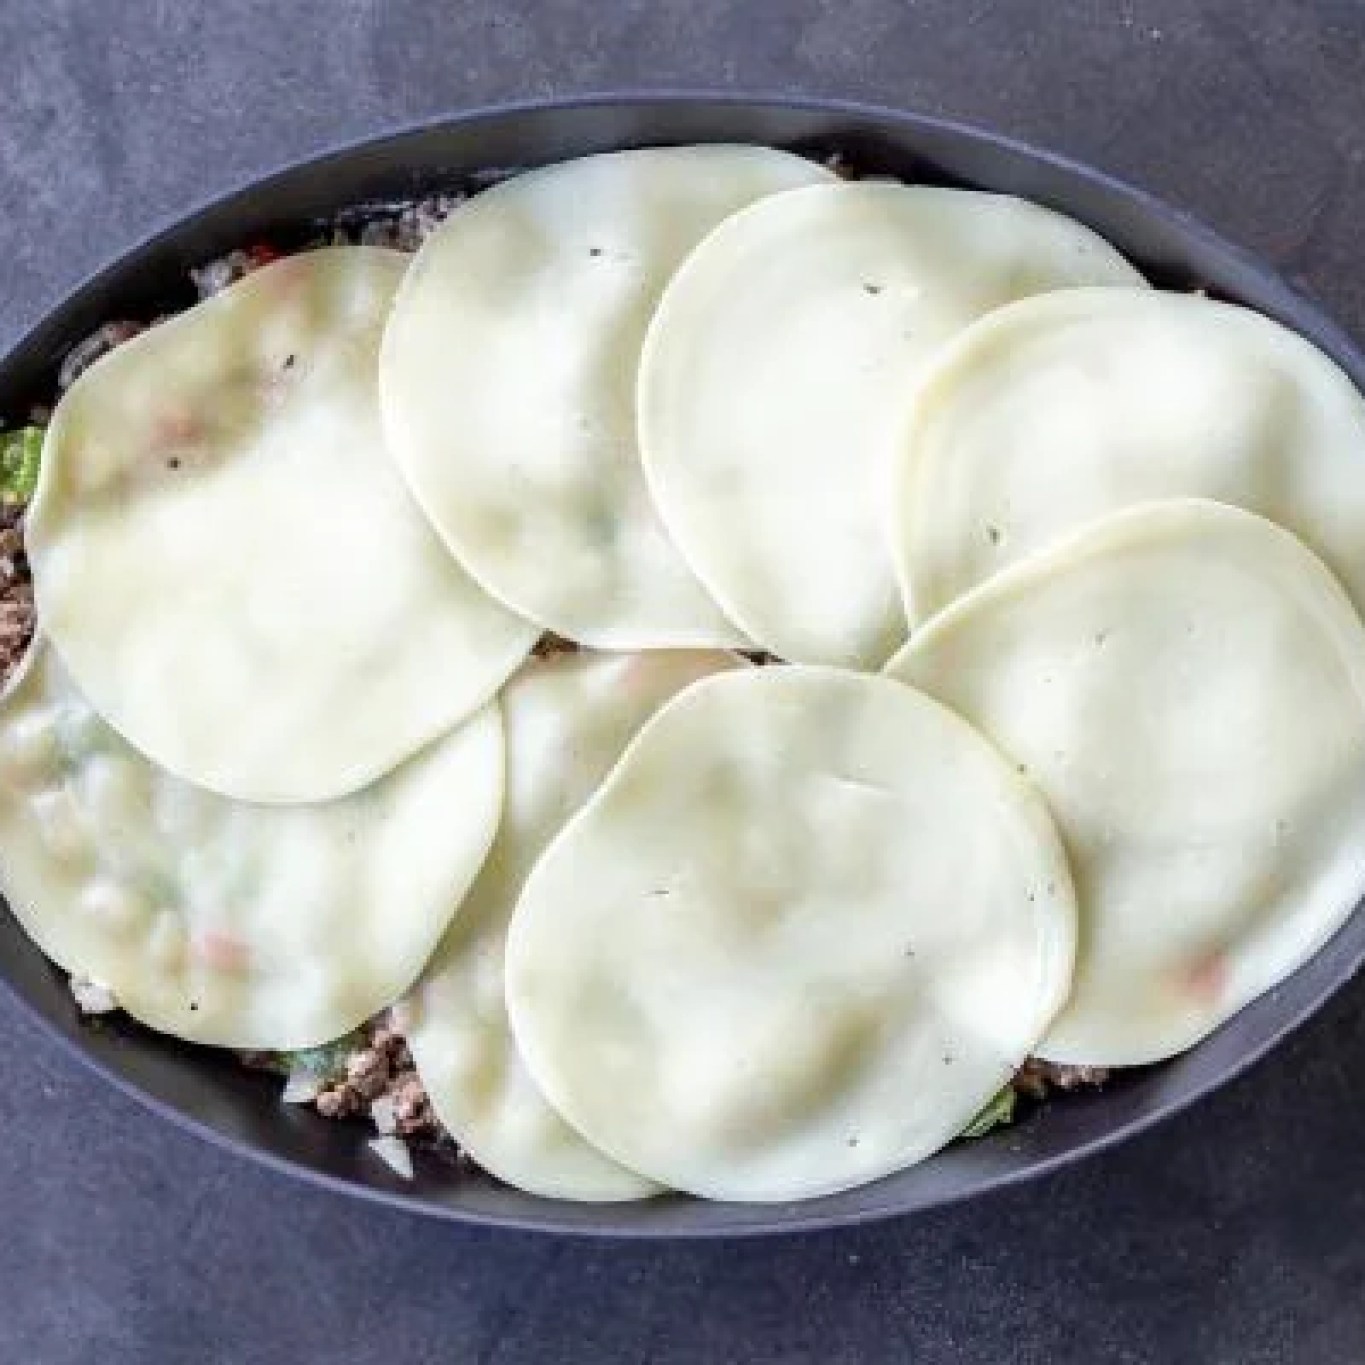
[(369, 1075), (1037, 1078), (16, 590)]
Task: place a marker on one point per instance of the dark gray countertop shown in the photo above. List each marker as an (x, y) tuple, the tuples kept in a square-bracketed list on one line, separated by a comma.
[(1230, 1235)]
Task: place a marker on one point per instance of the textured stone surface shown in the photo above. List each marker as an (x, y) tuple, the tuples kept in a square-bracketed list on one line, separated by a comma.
[(1231, 1235)]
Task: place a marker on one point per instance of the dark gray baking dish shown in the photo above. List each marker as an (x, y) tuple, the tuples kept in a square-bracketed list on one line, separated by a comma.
[(208, 1093)]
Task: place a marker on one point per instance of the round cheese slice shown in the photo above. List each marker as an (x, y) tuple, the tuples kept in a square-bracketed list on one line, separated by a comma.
[(807, 928), (774, 370), (228, 561), (567, 721), (1185, 682), (1059, 410), (224, 922), (508, 379)]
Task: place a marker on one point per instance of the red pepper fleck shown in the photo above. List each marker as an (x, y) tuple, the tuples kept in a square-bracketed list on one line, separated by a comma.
[(174, 428), (1206, 978), (262, 253)]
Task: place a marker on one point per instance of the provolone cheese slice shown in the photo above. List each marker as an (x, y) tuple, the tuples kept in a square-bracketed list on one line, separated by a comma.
[(220, 921), (777, 364), (567, 720), (1185, 683), (230, 564), (805, 930), (1059, 410), (508, 381)]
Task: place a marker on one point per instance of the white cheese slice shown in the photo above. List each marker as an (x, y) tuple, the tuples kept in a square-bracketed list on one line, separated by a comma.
[(1059, 410), (230, 564), (567, 721), (508, 380), (775, 372), (219, 921), (1185, 683), (806, 929)]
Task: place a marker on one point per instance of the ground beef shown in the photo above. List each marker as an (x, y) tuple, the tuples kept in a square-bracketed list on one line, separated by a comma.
[(377, 1079), (551, 644), (406, 228), (1037, 1078), (16, 624), (16, 590), (369, 1075), (412, 1112)]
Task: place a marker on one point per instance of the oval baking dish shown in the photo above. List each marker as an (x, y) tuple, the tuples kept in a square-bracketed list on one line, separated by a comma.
[(208, 1092)]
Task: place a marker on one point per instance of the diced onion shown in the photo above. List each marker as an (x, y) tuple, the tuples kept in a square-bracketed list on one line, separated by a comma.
[(384, 1113), (393, 1152), (92, 997), (301, 1087)]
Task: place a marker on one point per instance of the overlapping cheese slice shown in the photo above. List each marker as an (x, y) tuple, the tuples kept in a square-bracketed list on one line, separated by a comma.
[(1185, 683), (774, 370), (509, 379), (228, 560), (567, 719), (1059, 410), (804, 931), (220, 921)]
